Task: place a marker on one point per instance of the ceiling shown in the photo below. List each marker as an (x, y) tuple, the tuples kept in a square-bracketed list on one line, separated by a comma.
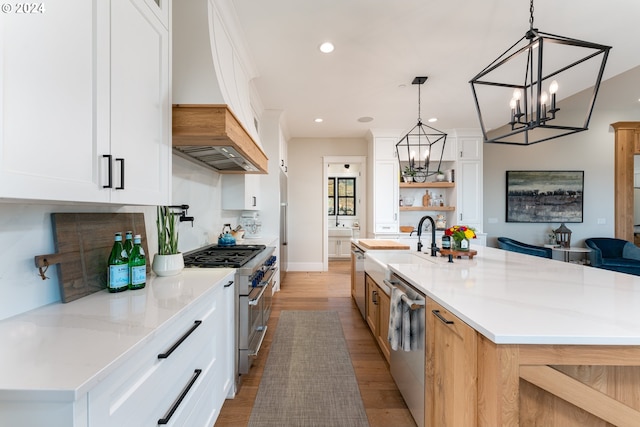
[(381, 45)]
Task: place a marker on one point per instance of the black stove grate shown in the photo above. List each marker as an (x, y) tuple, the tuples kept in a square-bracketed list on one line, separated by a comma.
[(222, 256)]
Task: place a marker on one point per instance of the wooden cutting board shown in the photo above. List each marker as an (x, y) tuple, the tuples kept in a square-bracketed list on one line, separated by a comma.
[(83, 243), (381, 244)]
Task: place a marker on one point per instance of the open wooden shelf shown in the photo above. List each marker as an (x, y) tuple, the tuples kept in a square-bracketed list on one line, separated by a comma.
[(442, 184), (428, 208)]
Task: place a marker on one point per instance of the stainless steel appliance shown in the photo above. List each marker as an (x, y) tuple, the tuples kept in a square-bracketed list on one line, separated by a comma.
[(255, 268), (408, 367), (357, 263)]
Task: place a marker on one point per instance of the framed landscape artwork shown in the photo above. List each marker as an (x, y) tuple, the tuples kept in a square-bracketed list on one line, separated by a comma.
[(545, 196)]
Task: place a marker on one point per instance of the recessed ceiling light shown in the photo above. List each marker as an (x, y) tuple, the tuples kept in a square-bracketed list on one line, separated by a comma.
[(327, 47), (365, 119), (433, 119), (318, 120)]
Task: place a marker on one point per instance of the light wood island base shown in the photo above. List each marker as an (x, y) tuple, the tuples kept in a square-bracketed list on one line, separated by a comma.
[(557, 385)]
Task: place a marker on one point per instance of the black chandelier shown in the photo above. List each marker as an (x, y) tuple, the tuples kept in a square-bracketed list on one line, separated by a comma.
[(516, 94), (419, 149)]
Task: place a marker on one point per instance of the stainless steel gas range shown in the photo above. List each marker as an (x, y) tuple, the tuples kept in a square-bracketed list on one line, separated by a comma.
[(255, 266)]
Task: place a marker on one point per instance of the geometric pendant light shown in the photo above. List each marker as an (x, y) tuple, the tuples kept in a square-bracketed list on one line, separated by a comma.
[(516, 96), (421, 149)]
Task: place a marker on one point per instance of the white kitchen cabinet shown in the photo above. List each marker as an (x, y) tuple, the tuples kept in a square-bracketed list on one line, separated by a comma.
[(385, 197), (339, 247), (140, 102), (284, 156), (241, 192), (385, 148), (469, 176), (95, 83), (140, 350), (470, 147)]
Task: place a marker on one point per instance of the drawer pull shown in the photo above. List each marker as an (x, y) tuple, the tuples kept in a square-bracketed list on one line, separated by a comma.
[(180, 398), (180, 341), (441, 317), (229, 284)]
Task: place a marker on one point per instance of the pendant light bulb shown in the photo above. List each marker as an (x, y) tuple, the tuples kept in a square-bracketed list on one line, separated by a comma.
[(553, 87)]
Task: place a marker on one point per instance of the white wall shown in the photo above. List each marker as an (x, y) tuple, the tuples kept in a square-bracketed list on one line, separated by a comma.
[(306, 187), (592, 151), (26, 231)]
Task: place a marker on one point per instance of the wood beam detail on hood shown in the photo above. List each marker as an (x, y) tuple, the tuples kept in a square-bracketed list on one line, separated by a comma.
[(196, 126)]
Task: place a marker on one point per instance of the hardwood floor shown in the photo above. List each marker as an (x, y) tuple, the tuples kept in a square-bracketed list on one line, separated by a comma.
[(327, 291)]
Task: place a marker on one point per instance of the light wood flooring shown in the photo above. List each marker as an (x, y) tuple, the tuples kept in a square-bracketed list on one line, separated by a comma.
[(327, 291)]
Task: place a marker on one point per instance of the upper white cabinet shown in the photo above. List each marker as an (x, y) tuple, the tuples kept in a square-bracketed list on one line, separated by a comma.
[(241, 192), (90, 101), (140, 107)]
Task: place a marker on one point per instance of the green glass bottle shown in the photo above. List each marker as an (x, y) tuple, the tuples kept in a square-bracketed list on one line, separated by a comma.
[(128, 246), (128, 242), (137, 265), (118, 272)]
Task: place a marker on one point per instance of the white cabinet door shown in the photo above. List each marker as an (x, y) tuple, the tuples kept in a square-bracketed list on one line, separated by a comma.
[(385, 197), (385, 148), (52, 88), (140, 108), (449, 153), (241, 192), (470, 148), (332, 250), (470, 193)]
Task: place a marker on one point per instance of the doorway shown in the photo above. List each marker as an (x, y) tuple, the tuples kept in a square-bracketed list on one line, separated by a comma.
[(345, 208), (627, 145)]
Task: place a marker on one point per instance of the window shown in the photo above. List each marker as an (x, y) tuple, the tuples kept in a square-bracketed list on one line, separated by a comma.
[(342, 196)]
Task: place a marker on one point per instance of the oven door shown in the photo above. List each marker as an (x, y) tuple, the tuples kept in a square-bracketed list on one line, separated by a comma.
[(257, 321)]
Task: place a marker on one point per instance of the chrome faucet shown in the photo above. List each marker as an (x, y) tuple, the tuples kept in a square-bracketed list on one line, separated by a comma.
[(434, 247)]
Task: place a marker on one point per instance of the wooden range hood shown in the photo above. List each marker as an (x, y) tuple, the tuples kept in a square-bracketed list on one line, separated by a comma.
[(210, 134)]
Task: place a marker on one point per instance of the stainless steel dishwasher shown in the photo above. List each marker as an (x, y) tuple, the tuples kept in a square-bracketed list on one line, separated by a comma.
[(357, 262), (407, 367)]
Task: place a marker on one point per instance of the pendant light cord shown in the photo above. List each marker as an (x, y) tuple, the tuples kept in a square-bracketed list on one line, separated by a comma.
[(531, 16), (419, 118)]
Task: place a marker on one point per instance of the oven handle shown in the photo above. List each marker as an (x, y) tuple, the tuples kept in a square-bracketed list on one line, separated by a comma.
[(256, 300), (266, 281)]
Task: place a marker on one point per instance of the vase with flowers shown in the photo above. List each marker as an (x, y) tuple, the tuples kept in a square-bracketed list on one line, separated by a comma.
[(460, 234)]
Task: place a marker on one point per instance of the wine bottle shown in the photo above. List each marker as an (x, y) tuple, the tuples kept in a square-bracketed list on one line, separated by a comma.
[(137, 265), (118, 272)]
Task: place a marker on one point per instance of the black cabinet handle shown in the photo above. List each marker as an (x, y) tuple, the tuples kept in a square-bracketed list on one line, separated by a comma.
[(255, 201), (441, 317), (374, 297), (229, 284), (110, 169), (180, 341), (180, 398), (281, 162), (121, 187)]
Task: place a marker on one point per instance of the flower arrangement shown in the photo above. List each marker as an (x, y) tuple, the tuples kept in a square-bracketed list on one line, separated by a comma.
[(459, 232)]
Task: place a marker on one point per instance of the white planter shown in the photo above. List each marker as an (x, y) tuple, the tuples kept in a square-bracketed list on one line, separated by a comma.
[(167, 265)]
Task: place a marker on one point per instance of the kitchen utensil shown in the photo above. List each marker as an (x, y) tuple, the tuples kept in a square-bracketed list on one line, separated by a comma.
[(225, 238), (408, 201), (406, 228)]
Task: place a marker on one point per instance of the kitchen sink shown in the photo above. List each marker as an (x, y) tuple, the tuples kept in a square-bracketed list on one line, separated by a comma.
[(341, 232)]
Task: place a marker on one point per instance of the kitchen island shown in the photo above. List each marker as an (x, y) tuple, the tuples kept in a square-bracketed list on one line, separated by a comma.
[(519, 340)]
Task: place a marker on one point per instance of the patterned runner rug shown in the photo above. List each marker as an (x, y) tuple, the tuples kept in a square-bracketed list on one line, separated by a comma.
[(308, 379)]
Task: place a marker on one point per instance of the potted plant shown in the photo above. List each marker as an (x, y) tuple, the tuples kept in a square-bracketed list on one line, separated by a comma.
[(408, 174), (439, 176), (168, 261)]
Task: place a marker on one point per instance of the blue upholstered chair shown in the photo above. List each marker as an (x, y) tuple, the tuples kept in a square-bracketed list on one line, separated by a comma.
[(614, 254), (524, 248)]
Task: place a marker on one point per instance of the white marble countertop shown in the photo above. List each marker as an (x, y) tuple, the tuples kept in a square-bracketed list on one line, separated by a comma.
[(512, 298), (59, 351)]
